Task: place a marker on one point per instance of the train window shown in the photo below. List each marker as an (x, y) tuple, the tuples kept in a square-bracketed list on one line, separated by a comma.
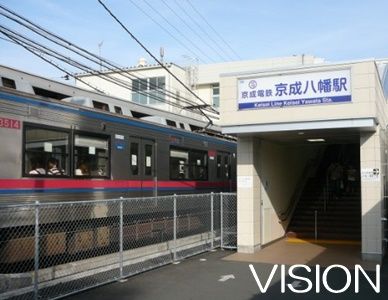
[(118, 110), (46, 152), (179, 160), (188, 164), (198, 165), (91, 156), (9, 83), (100, 105), (148, 160), (134, 153), (219, 162), (171, 123)]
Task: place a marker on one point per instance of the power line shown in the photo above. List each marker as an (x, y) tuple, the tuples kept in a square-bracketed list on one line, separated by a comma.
[(195, 32), (39, 50), (178, 31), (160, 63), (90, 56), (212, 28), (189, 16), (165, 29), (14, 40)]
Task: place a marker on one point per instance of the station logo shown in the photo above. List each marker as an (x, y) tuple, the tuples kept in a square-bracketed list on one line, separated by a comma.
[(293, 280), (252, 84)]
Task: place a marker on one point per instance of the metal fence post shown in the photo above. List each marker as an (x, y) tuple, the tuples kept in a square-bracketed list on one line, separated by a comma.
[(121, 238), (212, 219), (221, 220), (175, 228), (36, 258)]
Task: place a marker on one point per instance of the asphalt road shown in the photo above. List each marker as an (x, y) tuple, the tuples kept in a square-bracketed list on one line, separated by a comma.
[(207, 276)]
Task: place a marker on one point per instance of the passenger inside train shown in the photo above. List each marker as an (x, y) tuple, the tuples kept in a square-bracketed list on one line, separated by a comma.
[(82, 169), (37, 167)]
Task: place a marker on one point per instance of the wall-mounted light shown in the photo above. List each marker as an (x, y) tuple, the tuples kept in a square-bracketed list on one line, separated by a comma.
[(316, 140)]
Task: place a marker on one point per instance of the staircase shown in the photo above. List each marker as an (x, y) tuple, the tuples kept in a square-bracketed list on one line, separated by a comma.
[(341, 220)]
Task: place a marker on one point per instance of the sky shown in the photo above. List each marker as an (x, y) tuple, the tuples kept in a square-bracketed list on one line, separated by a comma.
[(335, 30)]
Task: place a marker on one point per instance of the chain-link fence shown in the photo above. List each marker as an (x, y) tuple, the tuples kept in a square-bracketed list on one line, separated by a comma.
[(228, 220), (50, 250)]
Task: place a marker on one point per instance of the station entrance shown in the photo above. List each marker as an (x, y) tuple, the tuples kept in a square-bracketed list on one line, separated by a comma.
[(312, 153), (329, 205), (311, 186)]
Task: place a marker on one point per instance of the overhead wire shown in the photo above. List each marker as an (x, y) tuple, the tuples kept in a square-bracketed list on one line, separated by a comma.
[(96, 59), (210, 122), (90, 56), (14, 40), (213, 29), (197, 24), (221, 55), (166, 30), (22, 40), (178, 31)]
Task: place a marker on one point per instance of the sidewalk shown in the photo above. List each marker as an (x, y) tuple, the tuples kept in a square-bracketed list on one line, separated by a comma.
[(210, 276)]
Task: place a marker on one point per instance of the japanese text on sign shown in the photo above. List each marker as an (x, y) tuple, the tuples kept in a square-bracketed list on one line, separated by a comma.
[(293, 90)]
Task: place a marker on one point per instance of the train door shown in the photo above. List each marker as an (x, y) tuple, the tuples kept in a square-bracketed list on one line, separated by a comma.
[(224, 169), (142, 165)]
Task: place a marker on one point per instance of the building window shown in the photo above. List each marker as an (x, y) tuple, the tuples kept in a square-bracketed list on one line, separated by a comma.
[(148, 90), (216, 95), (188, 164), (91, 156), (46, 152)]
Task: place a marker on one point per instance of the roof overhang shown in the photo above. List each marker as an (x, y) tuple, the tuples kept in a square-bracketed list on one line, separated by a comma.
[(295, 133), (367, 124)]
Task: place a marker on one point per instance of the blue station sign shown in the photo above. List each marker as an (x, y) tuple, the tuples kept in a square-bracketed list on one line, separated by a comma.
[(294, 90)]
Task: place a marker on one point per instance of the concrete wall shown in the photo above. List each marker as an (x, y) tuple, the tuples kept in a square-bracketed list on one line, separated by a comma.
[(274, 171), (280, 172)]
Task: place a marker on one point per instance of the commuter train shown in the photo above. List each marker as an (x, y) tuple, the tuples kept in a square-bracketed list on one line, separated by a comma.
[(55, 148), (97, 154)]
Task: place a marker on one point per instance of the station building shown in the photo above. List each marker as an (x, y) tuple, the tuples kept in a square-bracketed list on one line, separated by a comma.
[(295, 125), (296, 118)]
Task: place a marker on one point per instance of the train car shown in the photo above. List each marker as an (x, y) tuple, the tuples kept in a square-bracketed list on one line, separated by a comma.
[(60, 146), (56, 150)]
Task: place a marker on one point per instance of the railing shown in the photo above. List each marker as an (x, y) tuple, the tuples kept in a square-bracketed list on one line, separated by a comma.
[(52, 250)]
